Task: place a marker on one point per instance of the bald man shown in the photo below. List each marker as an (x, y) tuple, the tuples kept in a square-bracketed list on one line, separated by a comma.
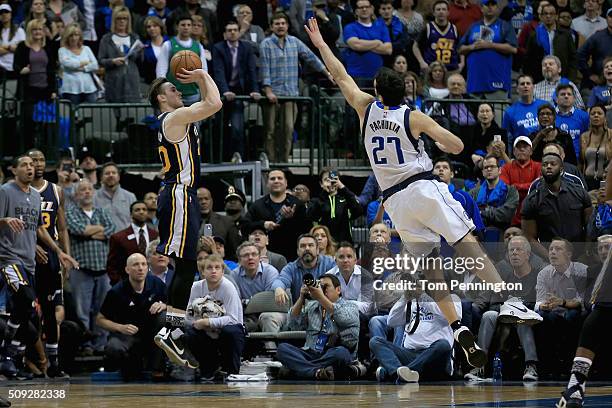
[(222, 225), (133, 311)]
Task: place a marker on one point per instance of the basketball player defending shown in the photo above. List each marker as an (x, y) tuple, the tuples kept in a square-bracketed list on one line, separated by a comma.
[(420, 206), (591, 338), (177, 205)]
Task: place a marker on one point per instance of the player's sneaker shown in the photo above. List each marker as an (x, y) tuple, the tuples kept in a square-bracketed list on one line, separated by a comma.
[(567, 401), (404, 374), (177, 352), (55, 371), (531, 373), (7, 367), (474, 354), (475, 375), (4, 402), (381, 374), (513, 311)]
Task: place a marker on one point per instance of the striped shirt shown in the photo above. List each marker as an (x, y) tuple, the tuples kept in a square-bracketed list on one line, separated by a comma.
[(545, 90), (90, 253), (280, 65)]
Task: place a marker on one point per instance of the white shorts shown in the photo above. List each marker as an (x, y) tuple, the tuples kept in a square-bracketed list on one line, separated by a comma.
[(424, 211)]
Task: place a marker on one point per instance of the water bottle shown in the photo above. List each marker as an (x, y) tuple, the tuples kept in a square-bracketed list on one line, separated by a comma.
[(497, 369)]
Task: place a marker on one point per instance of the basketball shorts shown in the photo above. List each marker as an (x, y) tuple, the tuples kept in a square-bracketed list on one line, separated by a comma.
[(49, 285), (424, 211), (15, 275), (178, 212)]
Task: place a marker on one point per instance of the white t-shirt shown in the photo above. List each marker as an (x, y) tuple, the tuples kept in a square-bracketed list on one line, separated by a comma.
[(6, 60)]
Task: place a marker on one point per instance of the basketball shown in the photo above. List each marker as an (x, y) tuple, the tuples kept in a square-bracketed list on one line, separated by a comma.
[(185, 59)]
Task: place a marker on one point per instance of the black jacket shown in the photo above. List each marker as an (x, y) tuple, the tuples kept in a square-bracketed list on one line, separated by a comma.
[(246, 63), (22, 59), (346, 208)]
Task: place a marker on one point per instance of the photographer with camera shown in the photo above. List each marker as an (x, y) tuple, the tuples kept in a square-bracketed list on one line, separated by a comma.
[(336, 207), (332, 331)]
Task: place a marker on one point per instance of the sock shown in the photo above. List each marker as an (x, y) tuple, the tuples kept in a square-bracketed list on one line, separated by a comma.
[(456, 325), (580, 372), (51, 351), (11, 330)]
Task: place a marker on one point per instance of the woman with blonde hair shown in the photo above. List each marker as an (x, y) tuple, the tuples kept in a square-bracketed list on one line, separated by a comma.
[(413, 96), (200, 33), (154, 40), (595, 147), (78, 64), (327, 245), (436, 81)]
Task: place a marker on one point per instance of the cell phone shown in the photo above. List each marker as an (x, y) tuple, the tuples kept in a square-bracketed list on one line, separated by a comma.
[(497, 138), (602, 184), (67, 167), (208, 230), (333, 175), (550, 127)]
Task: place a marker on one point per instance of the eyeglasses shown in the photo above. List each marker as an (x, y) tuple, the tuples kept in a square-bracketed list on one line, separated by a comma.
[(299, 190)]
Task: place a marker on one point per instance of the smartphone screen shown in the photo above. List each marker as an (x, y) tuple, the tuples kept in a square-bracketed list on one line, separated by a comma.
[(208, 230)]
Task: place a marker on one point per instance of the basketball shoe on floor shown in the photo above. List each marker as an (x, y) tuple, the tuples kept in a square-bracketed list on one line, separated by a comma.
[(513, 311), (404, 374), (572, 397), (474, 354), (173, 346), (475, 375)]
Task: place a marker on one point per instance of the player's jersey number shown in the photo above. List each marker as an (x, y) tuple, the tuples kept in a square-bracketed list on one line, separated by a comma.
[(381, 141), (165, 159)]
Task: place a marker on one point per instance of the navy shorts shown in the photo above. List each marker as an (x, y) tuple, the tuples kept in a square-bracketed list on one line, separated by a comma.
[(178, 212), (15, 275), (49, 283)]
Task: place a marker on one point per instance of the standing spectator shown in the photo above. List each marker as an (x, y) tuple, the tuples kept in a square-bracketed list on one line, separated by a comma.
[(325, 242), (409, 17), (565, 22), (400, 64), (602, 93), (280, 55), (121, 77), (596, 148), (181, 42), (235, 72), (150, 200), (570, 171), (35, 62), (90, 229), (549, 39), (78, 64), (557, 209), (545, 89), (517, 13), (112, 197), (548, 132), (154, 40), (68, 11), (249, 32), (191, 8), (222, 226), (521, 171), (521, 118), (591, 21), (398, 33), (134, 239), (336, 207), (158, 9), (11, 36), (259, 236), (439, 41), (283, 215), (234, 209), (463, 14), (489, 46), (596, 49), (569, 119), (133, 312)]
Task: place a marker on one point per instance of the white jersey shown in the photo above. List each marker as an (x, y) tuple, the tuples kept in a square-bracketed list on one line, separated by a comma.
[(394, 154)]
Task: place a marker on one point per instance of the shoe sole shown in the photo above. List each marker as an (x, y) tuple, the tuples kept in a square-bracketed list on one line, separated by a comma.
[(529, 378), (175, 358), (407, 375), (475, 356), (572, 403), (511, 319)]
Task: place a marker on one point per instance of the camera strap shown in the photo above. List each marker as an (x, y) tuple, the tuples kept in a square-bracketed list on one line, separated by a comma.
[(412, 323)]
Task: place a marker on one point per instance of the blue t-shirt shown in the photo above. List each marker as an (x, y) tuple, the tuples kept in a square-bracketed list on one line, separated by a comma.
[(364, 64), (600, 94), (489, 70), (371, 214), (575, 123), (520, 119)]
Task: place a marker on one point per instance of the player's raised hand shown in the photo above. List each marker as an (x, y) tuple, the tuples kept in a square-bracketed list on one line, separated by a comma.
[(312, 28), (188, 77)]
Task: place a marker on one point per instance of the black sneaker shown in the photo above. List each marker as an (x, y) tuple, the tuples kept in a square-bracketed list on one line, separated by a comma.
[(325, 374), (7, 367), (474, 354), (176, 351), (4, 402), (567, 401), (55, 372)]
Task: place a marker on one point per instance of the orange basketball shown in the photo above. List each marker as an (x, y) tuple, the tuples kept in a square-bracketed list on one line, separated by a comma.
[(185, 59)]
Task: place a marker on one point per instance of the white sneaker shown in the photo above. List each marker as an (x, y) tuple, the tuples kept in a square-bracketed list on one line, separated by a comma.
[(513, 311), (407, 375), (531, 373), (475, 374)]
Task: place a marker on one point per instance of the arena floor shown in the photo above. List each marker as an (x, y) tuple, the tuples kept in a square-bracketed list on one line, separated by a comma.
[(82, 393)]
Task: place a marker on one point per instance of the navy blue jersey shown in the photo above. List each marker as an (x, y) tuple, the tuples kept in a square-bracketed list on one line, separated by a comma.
[(180, 160), (441, 46), (49, 206)]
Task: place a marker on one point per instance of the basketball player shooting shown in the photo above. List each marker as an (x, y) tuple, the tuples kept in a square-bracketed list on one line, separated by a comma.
[(420, 206), (177, 206)]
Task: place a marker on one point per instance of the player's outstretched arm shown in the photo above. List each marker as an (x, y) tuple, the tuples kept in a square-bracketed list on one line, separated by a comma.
[(358, 99), (445, 140), (206, 107)]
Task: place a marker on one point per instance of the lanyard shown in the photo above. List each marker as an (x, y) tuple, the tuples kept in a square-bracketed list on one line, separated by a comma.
[(332, 204)]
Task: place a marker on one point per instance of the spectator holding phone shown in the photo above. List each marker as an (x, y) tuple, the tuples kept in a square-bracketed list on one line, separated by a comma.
[(336, 207)]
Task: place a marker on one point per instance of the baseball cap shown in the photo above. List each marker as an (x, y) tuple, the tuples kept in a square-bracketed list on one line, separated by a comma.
[(522, 139), (6, 7), (257, 226), (609, 12), (218, 239), (233, 192), (84, 153)]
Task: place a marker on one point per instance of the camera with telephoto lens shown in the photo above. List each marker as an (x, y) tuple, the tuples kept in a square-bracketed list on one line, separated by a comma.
[(310, 281)]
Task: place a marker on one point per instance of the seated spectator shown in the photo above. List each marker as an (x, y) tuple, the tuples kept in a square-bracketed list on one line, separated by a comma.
[(252, 33), (601, 219), (154, 40), (548, 132), (496, 200), (540, 44), (484, 133), (436, 85), (332, 332), (591, 21), (78, 65), (463, 14), (504, 267), (235, 201), (111, 196), (371, 191), (425, 353), (159, 264), (520, 272), (545, 89), (336, 206), (557, 209), (601, 93), (570, 172), (217, 247), (413, 20), (11, 36), (604, 242), (521, 171), (376, 214), (134, 239), (400, 64), (569, 119), (593, 53), (308, 261), (302, 193), (521, 118), (325, 242), (596, 148), (133, 312), (398, 33), (259, 236), (414, 91), (222, 226), (150, 200)]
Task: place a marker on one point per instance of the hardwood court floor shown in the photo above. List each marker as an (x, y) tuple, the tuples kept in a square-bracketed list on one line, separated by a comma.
[(296, 395)]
